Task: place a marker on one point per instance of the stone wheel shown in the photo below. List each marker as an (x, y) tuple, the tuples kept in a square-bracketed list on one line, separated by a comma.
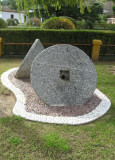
[(63, 75)]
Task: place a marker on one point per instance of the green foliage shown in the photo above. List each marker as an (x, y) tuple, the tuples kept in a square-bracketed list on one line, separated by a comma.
[(104, 25), (10, 3), (5, 2), (89, 24), (74, 12), (42, 13), (58, 23), (81, 24), (72, 19), (2, 23), (57, 4), (56, 36), (70, 11), (113, 8), (16, 21), (102, 18), (15, 140), (13, 119), (53, 142), (34, 22), (11, 22), (112, 27)]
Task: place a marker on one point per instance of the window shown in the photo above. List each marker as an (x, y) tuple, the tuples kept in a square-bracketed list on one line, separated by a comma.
[(12, 16)]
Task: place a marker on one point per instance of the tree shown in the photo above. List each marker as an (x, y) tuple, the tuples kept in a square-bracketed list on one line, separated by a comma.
[(43, 13), (113, 8), (11, 3), (74, 12), (44, 4), (5, 2)]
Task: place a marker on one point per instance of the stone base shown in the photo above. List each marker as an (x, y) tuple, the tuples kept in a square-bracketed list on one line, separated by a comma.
[(79, 114)]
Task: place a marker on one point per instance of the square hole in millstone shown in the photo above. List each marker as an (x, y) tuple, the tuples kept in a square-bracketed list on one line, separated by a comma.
[(65, 75)]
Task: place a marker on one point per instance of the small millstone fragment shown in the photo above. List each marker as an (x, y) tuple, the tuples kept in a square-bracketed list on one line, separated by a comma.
[(24, 69)]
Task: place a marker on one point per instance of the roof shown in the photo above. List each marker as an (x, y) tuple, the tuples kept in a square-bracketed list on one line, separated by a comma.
[(7, 9)]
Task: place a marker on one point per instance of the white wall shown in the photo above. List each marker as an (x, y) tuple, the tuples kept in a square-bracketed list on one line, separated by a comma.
[(7, 15), (111, 20)]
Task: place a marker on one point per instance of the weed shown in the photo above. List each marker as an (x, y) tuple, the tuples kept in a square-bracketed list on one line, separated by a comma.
[(55, 142), (15, 140)]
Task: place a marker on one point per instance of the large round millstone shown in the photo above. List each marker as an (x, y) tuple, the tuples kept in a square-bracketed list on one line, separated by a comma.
[(63, 75)]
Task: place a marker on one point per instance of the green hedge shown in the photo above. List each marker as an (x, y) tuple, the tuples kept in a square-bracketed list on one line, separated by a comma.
[(56, 36)]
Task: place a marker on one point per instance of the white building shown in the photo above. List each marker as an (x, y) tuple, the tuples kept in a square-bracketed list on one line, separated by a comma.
[(7, 13), (111, 20)]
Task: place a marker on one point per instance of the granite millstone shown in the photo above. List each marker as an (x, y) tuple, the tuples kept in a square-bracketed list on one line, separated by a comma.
[(63, 75), (24, 69)]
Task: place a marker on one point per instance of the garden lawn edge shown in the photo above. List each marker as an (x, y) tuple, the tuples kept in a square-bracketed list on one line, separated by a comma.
[(19, 108)]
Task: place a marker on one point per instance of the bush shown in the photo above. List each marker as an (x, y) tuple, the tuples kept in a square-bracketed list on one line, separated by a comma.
[(89, 24), (104, 25), (81, 24), (56, 36), (16, 21), (102, 18), (112, 27), (11, 22), (58, 23), (73, 20), (34, 22), (2, 23)]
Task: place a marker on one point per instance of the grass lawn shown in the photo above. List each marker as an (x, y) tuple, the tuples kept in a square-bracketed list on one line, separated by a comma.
[(21, 139)]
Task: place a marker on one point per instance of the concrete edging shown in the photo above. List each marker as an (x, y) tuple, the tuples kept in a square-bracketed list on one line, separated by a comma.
[(19, 108)]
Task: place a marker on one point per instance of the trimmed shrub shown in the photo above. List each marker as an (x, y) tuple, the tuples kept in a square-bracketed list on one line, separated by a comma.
[(11, 22), (34, 22), (56, 36), (58, 23), (2, 23), (73, 20)]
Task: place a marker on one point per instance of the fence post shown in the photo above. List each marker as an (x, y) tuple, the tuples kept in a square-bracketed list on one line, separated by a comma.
[(96, 49), (1, 46)]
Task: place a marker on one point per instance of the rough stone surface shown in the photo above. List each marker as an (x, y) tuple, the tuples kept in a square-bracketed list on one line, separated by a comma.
[(34, 104), (24, 69), (63, 75)]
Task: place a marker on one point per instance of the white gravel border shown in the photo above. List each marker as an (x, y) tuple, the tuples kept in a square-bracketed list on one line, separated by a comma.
[(19, 108)]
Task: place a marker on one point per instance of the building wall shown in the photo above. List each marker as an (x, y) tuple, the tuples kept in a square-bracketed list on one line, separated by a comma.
[(7, 15), (111, 20)]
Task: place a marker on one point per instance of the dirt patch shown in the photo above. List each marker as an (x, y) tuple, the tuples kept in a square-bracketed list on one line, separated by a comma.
[(112, 69), (7, 102)]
